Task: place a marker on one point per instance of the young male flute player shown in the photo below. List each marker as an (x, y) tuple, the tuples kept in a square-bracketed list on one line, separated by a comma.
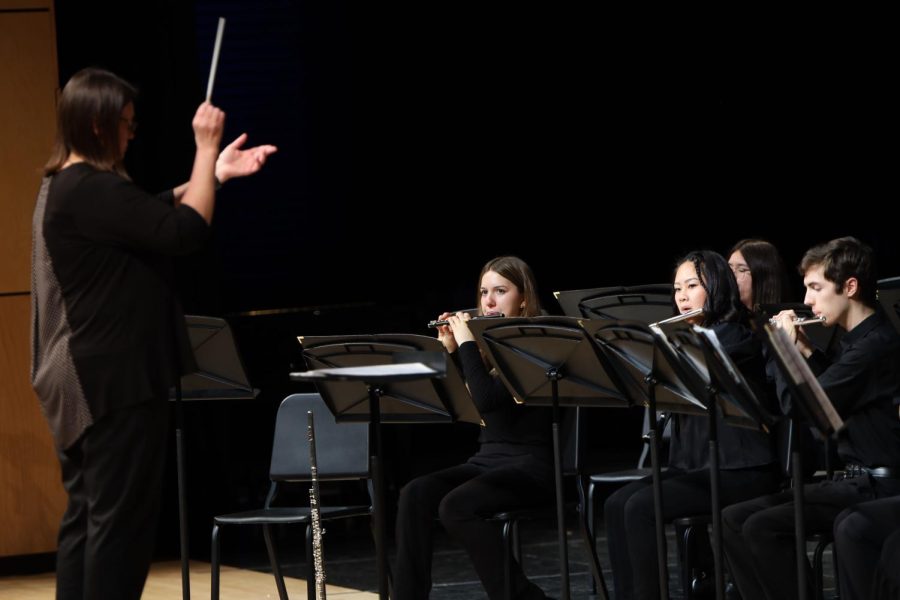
[(862, 380)]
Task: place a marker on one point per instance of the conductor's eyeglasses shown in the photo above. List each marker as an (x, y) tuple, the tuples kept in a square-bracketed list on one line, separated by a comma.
[(132, 125)]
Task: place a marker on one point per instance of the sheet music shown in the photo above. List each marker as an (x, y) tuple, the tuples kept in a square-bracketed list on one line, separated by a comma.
[(370, 370)]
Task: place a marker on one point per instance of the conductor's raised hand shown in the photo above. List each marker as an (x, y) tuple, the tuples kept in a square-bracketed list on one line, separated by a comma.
[(208, 124), (236, 162)]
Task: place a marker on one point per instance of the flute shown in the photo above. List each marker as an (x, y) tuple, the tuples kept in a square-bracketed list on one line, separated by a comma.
[(800, 321), (314, 518), (682, 317), (446, 322)]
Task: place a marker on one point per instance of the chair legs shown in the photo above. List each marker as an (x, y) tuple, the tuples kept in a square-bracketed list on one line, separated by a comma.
[(819, 569), (591, 520), (687, 556), (273, 560), (837, 582), (588, 520), (689, 534), (507, 559)]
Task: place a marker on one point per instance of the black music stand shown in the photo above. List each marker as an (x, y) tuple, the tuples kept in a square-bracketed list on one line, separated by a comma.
[(718, 382), (552, 361), (644, 303), (220, 375), (641, 304), (654, 377), (359, 381), (811, 401), (889, 297), (443, 400)]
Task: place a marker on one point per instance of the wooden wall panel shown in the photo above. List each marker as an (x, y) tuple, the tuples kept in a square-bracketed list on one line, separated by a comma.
[(27, 120), (26, 5), (32, 499), (31, 496)]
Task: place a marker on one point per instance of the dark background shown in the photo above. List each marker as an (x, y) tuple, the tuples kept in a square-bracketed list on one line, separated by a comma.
[(417, 142)]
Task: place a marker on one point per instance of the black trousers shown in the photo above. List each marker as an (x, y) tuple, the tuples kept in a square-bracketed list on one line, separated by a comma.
[(462, 496), (887, 575), (113, 476), (759, 534), (631, 525), (859, 536)]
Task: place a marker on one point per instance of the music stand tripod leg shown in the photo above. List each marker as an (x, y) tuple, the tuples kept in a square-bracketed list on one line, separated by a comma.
[(716, 502), (554, 376), (799, 523), (378, 501), (587, 534), (182, 493), (661, 562)]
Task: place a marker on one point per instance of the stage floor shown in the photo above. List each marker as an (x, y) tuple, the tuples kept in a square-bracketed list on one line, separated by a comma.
[(164, 583), (350, 566)]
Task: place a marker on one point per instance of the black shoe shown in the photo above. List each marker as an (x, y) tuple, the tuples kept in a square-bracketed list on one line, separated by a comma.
[(731, 591), (703, 587)]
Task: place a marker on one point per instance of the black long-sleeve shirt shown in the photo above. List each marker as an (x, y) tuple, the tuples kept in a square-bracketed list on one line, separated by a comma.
[(509, 428), (107, 330), (862, 380), (739, 447)]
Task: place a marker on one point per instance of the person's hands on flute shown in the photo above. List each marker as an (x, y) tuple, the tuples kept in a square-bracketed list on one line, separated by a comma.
[(785, 320), (445, 334), (457, 332)]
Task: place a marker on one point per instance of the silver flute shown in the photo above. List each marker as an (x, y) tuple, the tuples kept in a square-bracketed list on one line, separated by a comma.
[(800, 321), (682, 317), (314, 518)]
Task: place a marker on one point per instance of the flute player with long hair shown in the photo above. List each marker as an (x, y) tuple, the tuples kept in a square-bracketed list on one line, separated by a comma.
[(512, 469)]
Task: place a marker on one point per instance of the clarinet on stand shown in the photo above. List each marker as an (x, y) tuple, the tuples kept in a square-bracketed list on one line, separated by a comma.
[(315, 522)]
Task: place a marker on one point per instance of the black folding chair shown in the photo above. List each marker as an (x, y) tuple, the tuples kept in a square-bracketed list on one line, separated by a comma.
[(342, 453)]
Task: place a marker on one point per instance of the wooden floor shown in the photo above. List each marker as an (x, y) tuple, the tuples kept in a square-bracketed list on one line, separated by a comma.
[(164, 583)]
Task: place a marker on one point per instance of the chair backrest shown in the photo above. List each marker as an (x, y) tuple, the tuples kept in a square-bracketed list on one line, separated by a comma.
[(342, 449)]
